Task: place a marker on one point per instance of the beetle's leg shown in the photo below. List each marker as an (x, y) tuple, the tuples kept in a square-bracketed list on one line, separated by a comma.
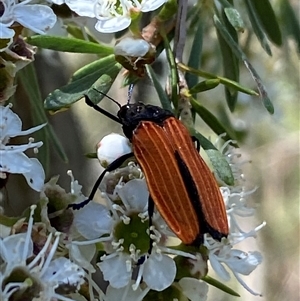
[(112, 166), (150, 214), (197, 143)]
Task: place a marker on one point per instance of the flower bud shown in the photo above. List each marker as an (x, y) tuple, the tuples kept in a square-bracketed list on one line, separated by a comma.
[(111, 147), (134, 54)]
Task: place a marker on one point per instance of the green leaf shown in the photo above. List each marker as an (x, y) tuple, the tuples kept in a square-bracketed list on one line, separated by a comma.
[(8, 221), (69, 45), (290, 21), (195, 54), (218, 160), (234, 17), (241, 55), (261, 88), (174, 75), (29, 80), (205, 85), (210, 119), (220, 285), (230, 62), (165, 102), (268, 20), (257, 26), (100, 75), (225, 81)]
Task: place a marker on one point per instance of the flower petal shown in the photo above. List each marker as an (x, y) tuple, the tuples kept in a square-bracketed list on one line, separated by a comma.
[(194, 289), (93, 220), (39, 18), (84, 8), (14, 162), (7, 34), (29, 131), (10, 123), (115, 270), (150, 5), (111, 25), (244, 263), (218, 267), (134, 195), (159, 272), (12, 248), (35, 177)]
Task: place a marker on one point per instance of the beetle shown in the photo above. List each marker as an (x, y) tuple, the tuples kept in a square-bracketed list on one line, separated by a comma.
[(180, 184)]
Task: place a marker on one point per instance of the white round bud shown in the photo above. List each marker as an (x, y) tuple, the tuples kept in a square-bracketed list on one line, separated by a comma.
[(132, 47), (111, 147)]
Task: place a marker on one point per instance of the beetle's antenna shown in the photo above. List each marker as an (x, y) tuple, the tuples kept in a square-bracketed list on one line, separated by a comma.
[(110, 98), (130, 90), (102, 111)]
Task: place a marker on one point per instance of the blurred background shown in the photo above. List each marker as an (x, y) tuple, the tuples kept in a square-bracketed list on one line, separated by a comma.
[(270, 142)]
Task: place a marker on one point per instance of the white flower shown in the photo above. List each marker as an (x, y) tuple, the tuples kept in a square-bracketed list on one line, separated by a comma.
[(124, 231), (115, 16), (37, 17), (40, 276), (12, 157), (221, 253)]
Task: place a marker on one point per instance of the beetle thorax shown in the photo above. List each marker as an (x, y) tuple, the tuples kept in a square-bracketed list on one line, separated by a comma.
[(131, 115)]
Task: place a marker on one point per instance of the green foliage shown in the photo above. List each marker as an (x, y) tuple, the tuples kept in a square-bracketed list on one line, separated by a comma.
[(98, 75), (220, 285), (67, 44)]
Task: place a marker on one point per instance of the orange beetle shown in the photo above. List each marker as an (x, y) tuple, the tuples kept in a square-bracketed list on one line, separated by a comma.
[(180, 184)]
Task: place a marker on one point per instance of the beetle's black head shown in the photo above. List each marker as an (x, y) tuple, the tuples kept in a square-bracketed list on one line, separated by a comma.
[(131, 115)]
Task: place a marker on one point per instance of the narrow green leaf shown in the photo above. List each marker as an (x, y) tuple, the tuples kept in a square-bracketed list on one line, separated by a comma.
[(205, 85), (228, 38), (290, 21), (165, 102), (8, 221), (69, 45), (261, 88), (195, 54), (100, 75), (230, 62), (29, 80), (234, 17), (218, 160), (220, 285), (210, 119), (174, 75), (101, 64), (268, 20), (257, 26), (241, 55), (225, 81)]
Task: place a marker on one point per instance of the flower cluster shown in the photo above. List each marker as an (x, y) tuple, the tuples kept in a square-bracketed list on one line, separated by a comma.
[(138, 254), (138, 261), (13, 13), (30, 268), (112, 15)]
